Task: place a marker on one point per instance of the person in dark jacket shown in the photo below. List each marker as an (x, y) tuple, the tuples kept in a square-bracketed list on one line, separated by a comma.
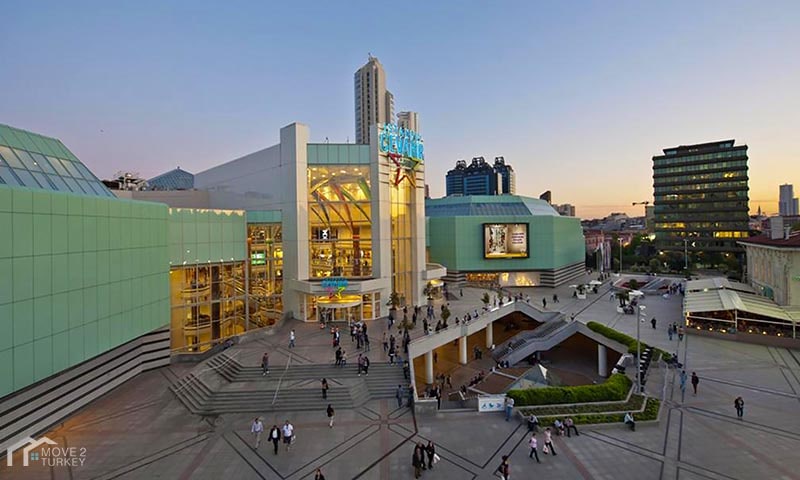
[(418, 460), (275, 437), (324, 387), (431, 451)]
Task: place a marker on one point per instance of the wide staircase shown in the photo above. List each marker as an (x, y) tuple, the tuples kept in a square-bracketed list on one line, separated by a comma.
[(223, 385)]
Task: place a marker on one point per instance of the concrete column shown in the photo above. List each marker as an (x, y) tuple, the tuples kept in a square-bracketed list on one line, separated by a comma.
[(462, 350), (489, 335), (429, 367), (602, 361)]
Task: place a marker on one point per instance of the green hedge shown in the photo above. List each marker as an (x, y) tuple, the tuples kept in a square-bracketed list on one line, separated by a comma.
[(634, 403), (650, 413), (612, 390), (626, 340)]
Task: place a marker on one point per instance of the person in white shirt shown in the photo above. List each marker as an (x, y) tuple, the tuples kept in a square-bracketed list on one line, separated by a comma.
[(256, 429), (288, 432), (630, 421), (533, 444), (291, 339), (548, 442)]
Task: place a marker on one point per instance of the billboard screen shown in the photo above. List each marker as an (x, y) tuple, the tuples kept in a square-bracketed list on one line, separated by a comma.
[(505, 240)]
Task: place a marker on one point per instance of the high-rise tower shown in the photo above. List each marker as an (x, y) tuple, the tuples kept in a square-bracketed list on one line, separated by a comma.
[(373, 103)]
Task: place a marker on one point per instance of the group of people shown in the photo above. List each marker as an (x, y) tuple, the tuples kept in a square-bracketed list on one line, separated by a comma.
[(275, 435), (421, 454), (673, 329)]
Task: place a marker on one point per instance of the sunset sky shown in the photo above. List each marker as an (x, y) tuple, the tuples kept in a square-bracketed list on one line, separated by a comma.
[(577, 96)]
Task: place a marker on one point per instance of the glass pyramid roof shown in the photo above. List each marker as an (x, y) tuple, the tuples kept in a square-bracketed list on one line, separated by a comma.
[(176, 179), (35, 161)]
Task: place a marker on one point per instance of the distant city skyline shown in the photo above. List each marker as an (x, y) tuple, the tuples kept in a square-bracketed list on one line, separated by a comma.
[(578, 98)]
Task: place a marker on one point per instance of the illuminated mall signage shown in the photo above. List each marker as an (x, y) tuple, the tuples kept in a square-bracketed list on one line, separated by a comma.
[(334, 286), (396, 140), (404, 148)]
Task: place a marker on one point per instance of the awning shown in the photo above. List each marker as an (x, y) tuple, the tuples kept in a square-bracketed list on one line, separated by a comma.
[(699, 302), (344, 301)]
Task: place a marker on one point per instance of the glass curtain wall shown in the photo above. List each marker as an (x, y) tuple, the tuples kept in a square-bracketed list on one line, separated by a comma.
[(402, 219), (340, 218), (208, 304), (265, 242)]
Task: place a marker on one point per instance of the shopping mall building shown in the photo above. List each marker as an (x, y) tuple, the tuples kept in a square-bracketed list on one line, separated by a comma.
[(98, 286)]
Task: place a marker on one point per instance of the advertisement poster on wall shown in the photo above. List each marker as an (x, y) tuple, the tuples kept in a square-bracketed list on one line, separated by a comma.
[(505, 240)]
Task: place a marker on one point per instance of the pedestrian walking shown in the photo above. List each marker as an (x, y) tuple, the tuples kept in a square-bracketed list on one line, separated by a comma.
[(504, 468), (438, 394), (533, 443), (695, 381), (339, 356), (343, 360), (430, 450), (680, 333), (544, 303), (391, 355), (366, 340), (385, 343), (265, 364), (318, 475), (324, 387), (288, 434), (365, 366), (291, 339), (548, 442), (399, 396), (653, 322), (330, 413), (509, 407), (406, 370), (569, 424), (360, 364), (683, 381), (418, 460), (738, 404), (257, 428), (669, 332), (275, 437)]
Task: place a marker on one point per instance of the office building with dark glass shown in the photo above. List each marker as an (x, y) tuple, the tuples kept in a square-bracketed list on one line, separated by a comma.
[(701, 198), (481, 178)]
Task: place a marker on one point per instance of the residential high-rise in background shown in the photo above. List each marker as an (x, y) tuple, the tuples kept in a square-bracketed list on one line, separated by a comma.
[(481, 178), (565, 210), (787, 205), (373, 103), (701, 199), (408, 120)]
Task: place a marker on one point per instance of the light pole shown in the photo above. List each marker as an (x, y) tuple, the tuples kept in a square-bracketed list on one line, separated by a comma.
[(686, 254), (638, 351), (620, 255)]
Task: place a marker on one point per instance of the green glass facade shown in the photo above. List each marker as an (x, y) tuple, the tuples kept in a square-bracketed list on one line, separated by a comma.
[(80, 275)]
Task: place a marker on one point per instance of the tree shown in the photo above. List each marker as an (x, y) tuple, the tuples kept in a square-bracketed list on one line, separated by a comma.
[(394, 300), (485, 299), (633, 284), (623, 297), (655, 265)]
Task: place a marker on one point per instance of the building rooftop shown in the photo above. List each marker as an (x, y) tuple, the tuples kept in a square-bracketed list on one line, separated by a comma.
[(792, 242), (487, 205), (176, 179), (31, 160)]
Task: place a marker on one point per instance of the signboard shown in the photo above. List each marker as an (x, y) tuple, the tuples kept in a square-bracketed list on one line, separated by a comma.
[(334, 286), (505, 240), (404, 148), (258, 258), (491, 403)]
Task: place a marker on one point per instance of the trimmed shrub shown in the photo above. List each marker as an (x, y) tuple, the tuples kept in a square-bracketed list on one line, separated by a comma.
[(612, 390), (626, 340), (650, 413)]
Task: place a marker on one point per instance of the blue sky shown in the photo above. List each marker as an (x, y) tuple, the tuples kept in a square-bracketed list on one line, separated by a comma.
[(578, 96)]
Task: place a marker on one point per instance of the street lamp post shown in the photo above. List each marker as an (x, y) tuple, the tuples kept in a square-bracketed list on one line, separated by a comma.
[(638, 351), (620, 255), (686, 254)]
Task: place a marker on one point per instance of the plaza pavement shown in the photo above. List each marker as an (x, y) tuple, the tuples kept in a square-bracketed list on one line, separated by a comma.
[(141, 431)]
